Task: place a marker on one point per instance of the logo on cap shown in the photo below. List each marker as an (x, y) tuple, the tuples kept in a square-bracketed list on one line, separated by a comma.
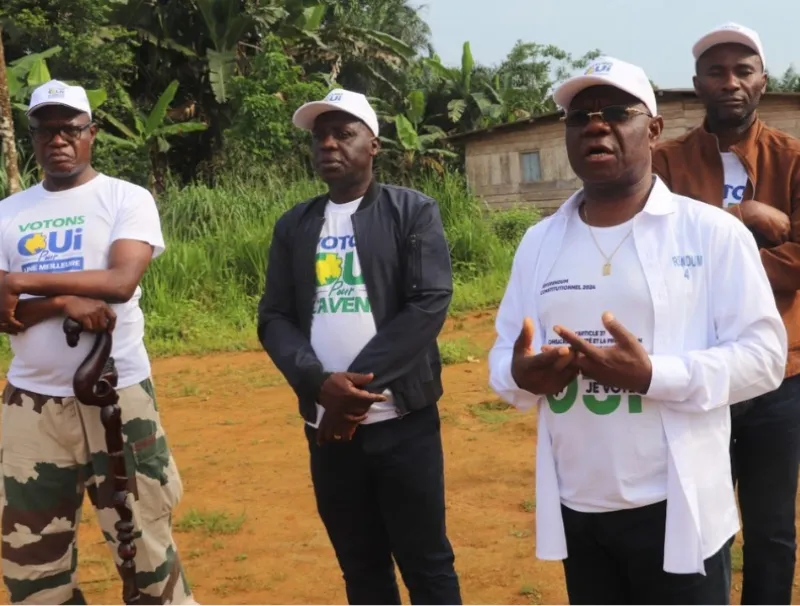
[(599, 68), (334, 97), (55, 93)]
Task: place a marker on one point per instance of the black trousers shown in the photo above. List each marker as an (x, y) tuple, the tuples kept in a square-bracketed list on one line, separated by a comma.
[(382, 496), (765, 454), (618, 558)]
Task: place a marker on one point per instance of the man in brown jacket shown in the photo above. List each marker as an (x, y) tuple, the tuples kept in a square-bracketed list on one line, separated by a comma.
[(735, 161)]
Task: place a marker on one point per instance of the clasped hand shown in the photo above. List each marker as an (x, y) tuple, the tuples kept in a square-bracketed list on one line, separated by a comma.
[(345, 404), (768, 221), (625, 365), (9, 299)]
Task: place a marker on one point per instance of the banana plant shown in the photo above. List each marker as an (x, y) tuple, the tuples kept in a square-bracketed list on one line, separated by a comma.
[(31, 71), (466, 103), (411, 144), (149, 132)]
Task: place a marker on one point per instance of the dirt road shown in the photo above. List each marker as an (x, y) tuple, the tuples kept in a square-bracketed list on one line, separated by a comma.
[(247, 528)]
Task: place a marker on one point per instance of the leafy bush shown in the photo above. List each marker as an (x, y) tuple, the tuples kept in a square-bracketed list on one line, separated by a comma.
[(511, 225), (263, 103)]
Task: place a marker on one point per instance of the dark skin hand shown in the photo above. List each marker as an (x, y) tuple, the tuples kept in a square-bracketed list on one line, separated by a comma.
[(768, 221), (127, 262), (92, 314), (345, 405), (546, 373), (625, 365)]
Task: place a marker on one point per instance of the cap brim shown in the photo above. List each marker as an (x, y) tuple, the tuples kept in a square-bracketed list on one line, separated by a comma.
[(307, 114), (723, 37), (565, 93), (79, 110)]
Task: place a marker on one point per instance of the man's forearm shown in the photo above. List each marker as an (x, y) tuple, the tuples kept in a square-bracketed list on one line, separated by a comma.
[(396, 347), (106, 285), (292, 354), (30, 312)]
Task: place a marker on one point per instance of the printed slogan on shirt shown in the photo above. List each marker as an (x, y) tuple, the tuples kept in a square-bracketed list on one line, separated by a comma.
[(339, 289), (52, 245)]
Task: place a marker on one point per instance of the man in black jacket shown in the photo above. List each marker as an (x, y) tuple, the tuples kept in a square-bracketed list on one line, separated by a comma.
[(358, 286)]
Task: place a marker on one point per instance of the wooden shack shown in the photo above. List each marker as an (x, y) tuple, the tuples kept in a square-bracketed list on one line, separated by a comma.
[(526, 161)]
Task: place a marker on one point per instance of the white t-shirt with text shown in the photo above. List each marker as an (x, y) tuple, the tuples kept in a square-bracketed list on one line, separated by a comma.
[(69, 231), (343, 322), (609, 446), (735, 179)]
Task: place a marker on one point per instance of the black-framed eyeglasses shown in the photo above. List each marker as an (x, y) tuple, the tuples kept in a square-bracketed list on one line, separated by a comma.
[(68, 132), (611, 114)]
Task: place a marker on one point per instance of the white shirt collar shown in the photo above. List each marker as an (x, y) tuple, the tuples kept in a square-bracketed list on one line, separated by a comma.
[(661, 201)]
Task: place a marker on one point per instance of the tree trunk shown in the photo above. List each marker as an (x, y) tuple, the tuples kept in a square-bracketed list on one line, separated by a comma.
[(7, 140)]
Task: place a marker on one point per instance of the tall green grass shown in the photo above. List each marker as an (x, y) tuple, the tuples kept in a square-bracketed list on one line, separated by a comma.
[(202, 293)]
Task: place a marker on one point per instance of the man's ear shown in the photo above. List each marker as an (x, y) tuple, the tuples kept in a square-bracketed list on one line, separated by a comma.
[(656, 128), (376, 146)]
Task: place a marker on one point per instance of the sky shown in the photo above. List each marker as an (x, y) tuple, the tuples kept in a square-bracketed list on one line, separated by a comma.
[(656, 34)]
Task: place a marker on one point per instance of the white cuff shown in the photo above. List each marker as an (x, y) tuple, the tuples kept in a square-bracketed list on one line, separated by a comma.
[(669, 379)]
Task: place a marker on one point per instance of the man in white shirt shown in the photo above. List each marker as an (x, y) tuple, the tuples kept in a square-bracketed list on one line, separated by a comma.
[(632, 319), (76, 245), (735, 161), (357, 290)]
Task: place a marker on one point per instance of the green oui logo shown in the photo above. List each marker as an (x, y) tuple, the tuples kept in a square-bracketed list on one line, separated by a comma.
[(605, 406)]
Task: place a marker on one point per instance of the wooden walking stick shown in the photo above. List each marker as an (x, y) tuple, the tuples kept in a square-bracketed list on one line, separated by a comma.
[(95, 384)]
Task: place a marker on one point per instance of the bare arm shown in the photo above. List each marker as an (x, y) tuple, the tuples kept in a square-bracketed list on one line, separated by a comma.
[(127, 262)]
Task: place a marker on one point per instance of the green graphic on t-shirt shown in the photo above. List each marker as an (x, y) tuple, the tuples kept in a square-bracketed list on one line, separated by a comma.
[(338, 285), (599, 406)]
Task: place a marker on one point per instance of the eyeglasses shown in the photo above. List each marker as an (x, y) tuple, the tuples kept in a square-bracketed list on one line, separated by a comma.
[(611, 114), (68, 132)]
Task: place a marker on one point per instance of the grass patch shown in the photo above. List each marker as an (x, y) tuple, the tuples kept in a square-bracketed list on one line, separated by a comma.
[(528, 505), (202, 294), (210, 522), (492, 412), (530, 591), (458, 351)]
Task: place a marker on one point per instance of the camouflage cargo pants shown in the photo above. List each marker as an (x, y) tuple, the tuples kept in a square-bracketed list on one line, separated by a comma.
[(52, 450)]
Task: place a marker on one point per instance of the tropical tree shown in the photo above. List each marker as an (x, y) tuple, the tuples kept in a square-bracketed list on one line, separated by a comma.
[(789, 82), (415, 144), (150, 132)]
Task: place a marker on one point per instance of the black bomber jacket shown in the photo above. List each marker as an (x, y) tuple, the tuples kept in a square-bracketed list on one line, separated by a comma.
[(405, 263)]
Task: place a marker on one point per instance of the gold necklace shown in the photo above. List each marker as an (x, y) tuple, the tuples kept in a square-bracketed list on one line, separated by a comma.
[(607, 265)]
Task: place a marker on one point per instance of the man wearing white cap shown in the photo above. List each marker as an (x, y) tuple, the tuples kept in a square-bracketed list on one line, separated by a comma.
[(357, 290), (735, 161), (76, 245), (632, 317)]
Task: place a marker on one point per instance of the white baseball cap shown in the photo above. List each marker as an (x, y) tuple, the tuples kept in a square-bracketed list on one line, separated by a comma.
[(338, 99), (730, 33), (609, 71), (56, 92)]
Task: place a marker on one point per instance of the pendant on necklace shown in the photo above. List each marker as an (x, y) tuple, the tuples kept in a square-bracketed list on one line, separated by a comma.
[(607, 269)]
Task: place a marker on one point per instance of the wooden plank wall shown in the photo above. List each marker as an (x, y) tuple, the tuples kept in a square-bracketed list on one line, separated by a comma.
[(493, 162)]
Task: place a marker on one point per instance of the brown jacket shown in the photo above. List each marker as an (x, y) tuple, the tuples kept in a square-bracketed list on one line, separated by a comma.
[(691, 166)]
